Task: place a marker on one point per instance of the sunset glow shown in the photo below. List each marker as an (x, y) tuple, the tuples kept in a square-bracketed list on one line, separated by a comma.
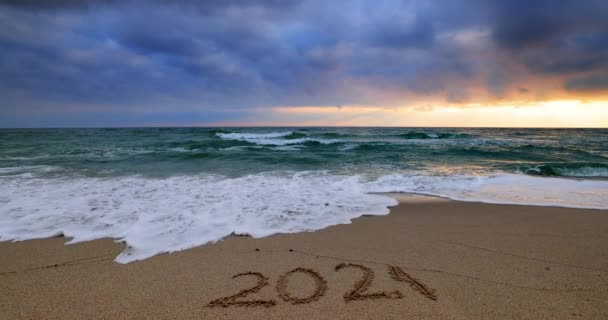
[(559, 113)]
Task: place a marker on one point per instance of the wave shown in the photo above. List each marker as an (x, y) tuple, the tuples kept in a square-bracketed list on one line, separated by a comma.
[(499, 189), (165, 215), (434, 135), (276, 138), (584, 172), (279, 138), (254, 136), (558, 149), (296, 135), (568, 170), (27, 171), (154, 215), (14, 158), (541, 170)]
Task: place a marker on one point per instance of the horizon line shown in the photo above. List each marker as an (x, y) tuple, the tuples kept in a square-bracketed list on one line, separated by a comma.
[(289, 126)]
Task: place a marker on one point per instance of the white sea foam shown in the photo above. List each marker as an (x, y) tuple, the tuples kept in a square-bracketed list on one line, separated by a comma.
[(584, 172), (253, 136), (27, 171), (273, 138), (502, 189), (24, 158), (165, 215)]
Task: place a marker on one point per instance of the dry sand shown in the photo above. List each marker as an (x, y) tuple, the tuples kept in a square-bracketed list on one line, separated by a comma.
[(426, 260)]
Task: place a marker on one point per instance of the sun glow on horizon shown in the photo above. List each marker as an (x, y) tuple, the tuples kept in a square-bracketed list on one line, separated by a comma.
[(556, 113)]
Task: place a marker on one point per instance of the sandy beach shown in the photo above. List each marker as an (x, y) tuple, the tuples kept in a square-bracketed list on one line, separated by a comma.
[(304, 160), (428, 259)]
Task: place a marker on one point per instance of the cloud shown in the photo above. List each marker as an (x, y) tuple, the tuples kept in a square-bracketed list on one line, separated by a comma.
[(553, 38), (597, 82), (418, 33), (212, 57), (521, 23)]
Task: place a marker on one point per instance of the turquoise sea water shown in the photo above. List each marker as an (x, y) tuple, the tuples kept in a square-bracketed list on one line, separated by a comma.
[(162, 152), (167, 189)]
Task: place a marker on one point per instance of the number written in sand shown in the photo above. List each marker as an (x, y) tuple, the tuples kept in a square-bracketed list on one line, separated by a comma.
[(359, 292), (320, 287), (399, 275), (232, 300), (361, 286)]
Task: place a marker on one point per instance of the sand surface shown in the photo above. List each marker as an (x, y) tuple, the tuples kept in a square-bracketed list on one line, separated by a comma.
[(426, 260)]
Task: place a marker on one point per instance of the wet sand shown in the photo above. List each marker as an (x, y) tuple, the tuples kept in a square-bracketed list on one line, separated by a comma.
[(428, 259)]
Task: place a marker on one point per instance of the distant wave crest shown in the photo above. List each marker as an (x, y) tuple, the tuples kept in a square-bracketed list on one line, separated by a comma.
[(584, 170), (434, 135), (275, 138)]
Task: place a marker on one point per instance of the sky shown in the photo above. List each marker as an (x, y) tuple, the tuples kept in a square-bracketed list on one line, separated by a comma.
[(505, 63)]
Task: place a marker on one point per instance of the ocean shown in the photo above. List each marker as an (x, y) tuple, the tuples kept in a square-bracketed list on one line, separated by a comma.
[(169, 189)]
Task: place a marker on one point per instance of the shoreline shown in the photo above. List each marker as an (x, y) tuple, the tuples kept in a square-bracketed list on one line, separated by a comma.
[(420, 197), (480, 260)]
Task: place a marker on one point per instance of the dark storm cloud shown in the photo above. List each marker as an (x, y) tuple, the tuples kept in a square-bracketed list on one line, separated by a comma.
[(41, 5), (37, 4), (193, 57), (522, 23), (589, 84), (550, 37), (86, 4)]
